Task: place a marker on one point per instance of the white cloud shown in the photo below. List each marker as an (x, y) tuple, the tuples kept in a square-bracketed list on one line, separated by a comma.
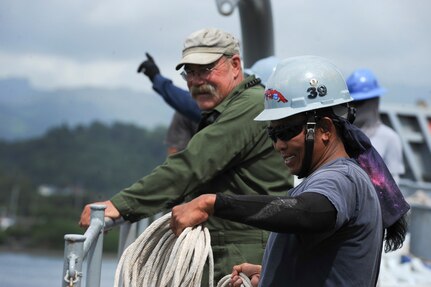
[(101, 43), (50, 72), (112, 13)]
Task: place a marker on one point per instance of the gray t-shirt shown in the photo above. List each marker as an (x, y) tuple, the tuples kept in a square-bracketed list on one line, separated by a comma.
[(388, 144), (348, 255)]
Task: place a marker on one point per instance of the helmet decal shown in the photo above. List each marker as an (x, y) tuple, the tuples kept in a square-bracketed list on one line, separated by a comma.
[(313, 91), (275, 95)]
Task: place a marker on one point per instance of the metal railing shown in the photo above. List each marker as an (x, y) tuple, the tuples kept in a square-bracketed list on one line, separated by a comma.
[(89, 247), (413, 125)]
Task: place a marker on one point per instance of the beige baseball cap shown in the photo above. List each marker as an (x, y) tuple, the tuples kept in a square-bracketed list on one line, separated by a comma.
[(206, 46)]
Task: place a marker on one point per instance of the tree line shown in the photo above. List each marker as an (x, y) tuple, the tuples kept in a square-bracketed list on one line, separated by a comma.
[(80, 164)]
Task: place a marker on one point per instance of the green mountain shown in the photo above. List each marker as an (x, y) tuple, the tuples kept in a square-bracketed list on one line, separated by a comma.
[(46, 181), (97, 157)]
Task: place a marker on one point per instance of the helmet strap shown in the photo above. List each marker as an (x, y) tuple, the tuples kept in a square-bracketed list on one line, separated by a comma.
[(309, 146), (351, 114)]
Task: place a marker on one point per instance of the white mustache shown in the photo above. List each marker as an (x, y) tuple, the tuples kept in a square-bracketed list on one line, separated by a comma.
[(204, 89)]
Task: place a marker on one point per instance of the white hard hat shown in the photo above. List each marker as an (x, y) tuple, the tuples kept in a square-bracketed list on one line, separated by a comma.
[(301, 84)]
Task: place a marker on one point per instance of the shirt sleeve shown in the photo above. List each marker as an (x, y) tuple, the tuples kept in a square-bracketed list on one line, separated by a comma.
[(177, 98), (393, 156), (307, 213), (339, 189)]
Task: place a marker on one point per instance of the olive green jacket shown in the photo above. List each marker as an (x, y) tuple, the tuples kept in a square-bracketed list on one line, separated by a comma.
[(232, 155)]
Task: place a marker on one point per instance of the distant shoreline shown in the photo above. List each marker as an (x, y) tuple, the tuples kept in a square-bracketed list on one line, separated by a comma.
[(45, 252)]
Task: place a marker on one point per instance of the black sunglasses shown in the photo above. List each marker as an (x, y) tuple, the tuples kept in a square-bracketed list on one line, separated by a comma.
[(285, 133)]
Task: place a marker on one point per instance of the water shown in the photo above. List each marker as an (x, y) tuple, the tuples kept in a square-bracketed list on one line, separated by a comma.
[(31, 270)]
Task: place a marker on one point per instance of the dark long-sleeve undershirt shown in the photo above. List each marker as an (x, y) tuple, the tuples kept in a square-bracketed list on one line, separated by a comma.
[(307, 213)]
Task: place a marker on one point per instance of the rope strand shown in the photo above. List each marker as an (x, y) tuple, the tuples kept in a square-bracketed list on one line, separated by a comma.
[(159, 258)]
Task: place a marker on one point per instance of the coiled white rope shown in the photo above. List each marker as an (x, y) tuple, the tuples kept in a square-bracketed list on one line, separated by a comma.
[(226, 280), (159, 258)]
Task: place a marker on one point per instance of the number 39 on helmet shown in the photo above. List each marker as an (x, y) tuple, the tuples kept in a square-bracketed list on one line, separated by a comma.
[(301, 84)]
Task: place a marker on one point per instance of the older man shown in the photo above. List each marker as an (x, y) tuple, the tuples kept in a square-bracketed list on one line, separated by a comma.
[(230, 154)]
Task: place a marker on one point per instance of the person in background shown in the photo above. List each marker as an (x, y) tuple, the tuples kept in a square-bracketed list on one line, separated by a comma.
[(179, 99), (263, 68), (230, 153), (187, 114), (180, 131), (365, 90), (328, 230)]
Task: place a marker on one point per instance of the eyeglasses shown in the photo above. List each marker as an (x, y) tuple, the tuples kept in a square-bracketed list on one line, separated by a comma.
[(285, 133), (203, 72)]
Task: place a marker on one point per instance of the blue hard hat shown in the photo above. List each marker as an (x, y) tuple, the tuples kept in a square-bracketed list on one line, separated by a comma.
[(363, 85), (263, 68)]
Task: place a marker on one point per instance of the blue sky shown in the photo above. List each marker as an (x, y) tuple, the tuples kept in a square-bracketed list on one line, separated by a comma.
[(100, 43)]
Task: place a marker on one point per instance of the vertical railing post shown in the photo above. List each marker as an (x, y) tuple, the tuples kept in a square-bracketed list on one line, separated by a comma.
[(73, 258), (93, 247), (128, 233)]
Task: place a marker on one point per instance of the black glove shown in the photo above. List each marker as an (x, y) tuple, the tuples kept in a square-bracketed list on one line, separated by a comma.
[(149, 67)]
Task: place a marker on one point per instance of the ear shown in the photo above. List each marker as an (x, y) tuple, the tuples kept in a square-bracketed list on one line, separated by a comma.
[(236, 64), (326, 128)]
